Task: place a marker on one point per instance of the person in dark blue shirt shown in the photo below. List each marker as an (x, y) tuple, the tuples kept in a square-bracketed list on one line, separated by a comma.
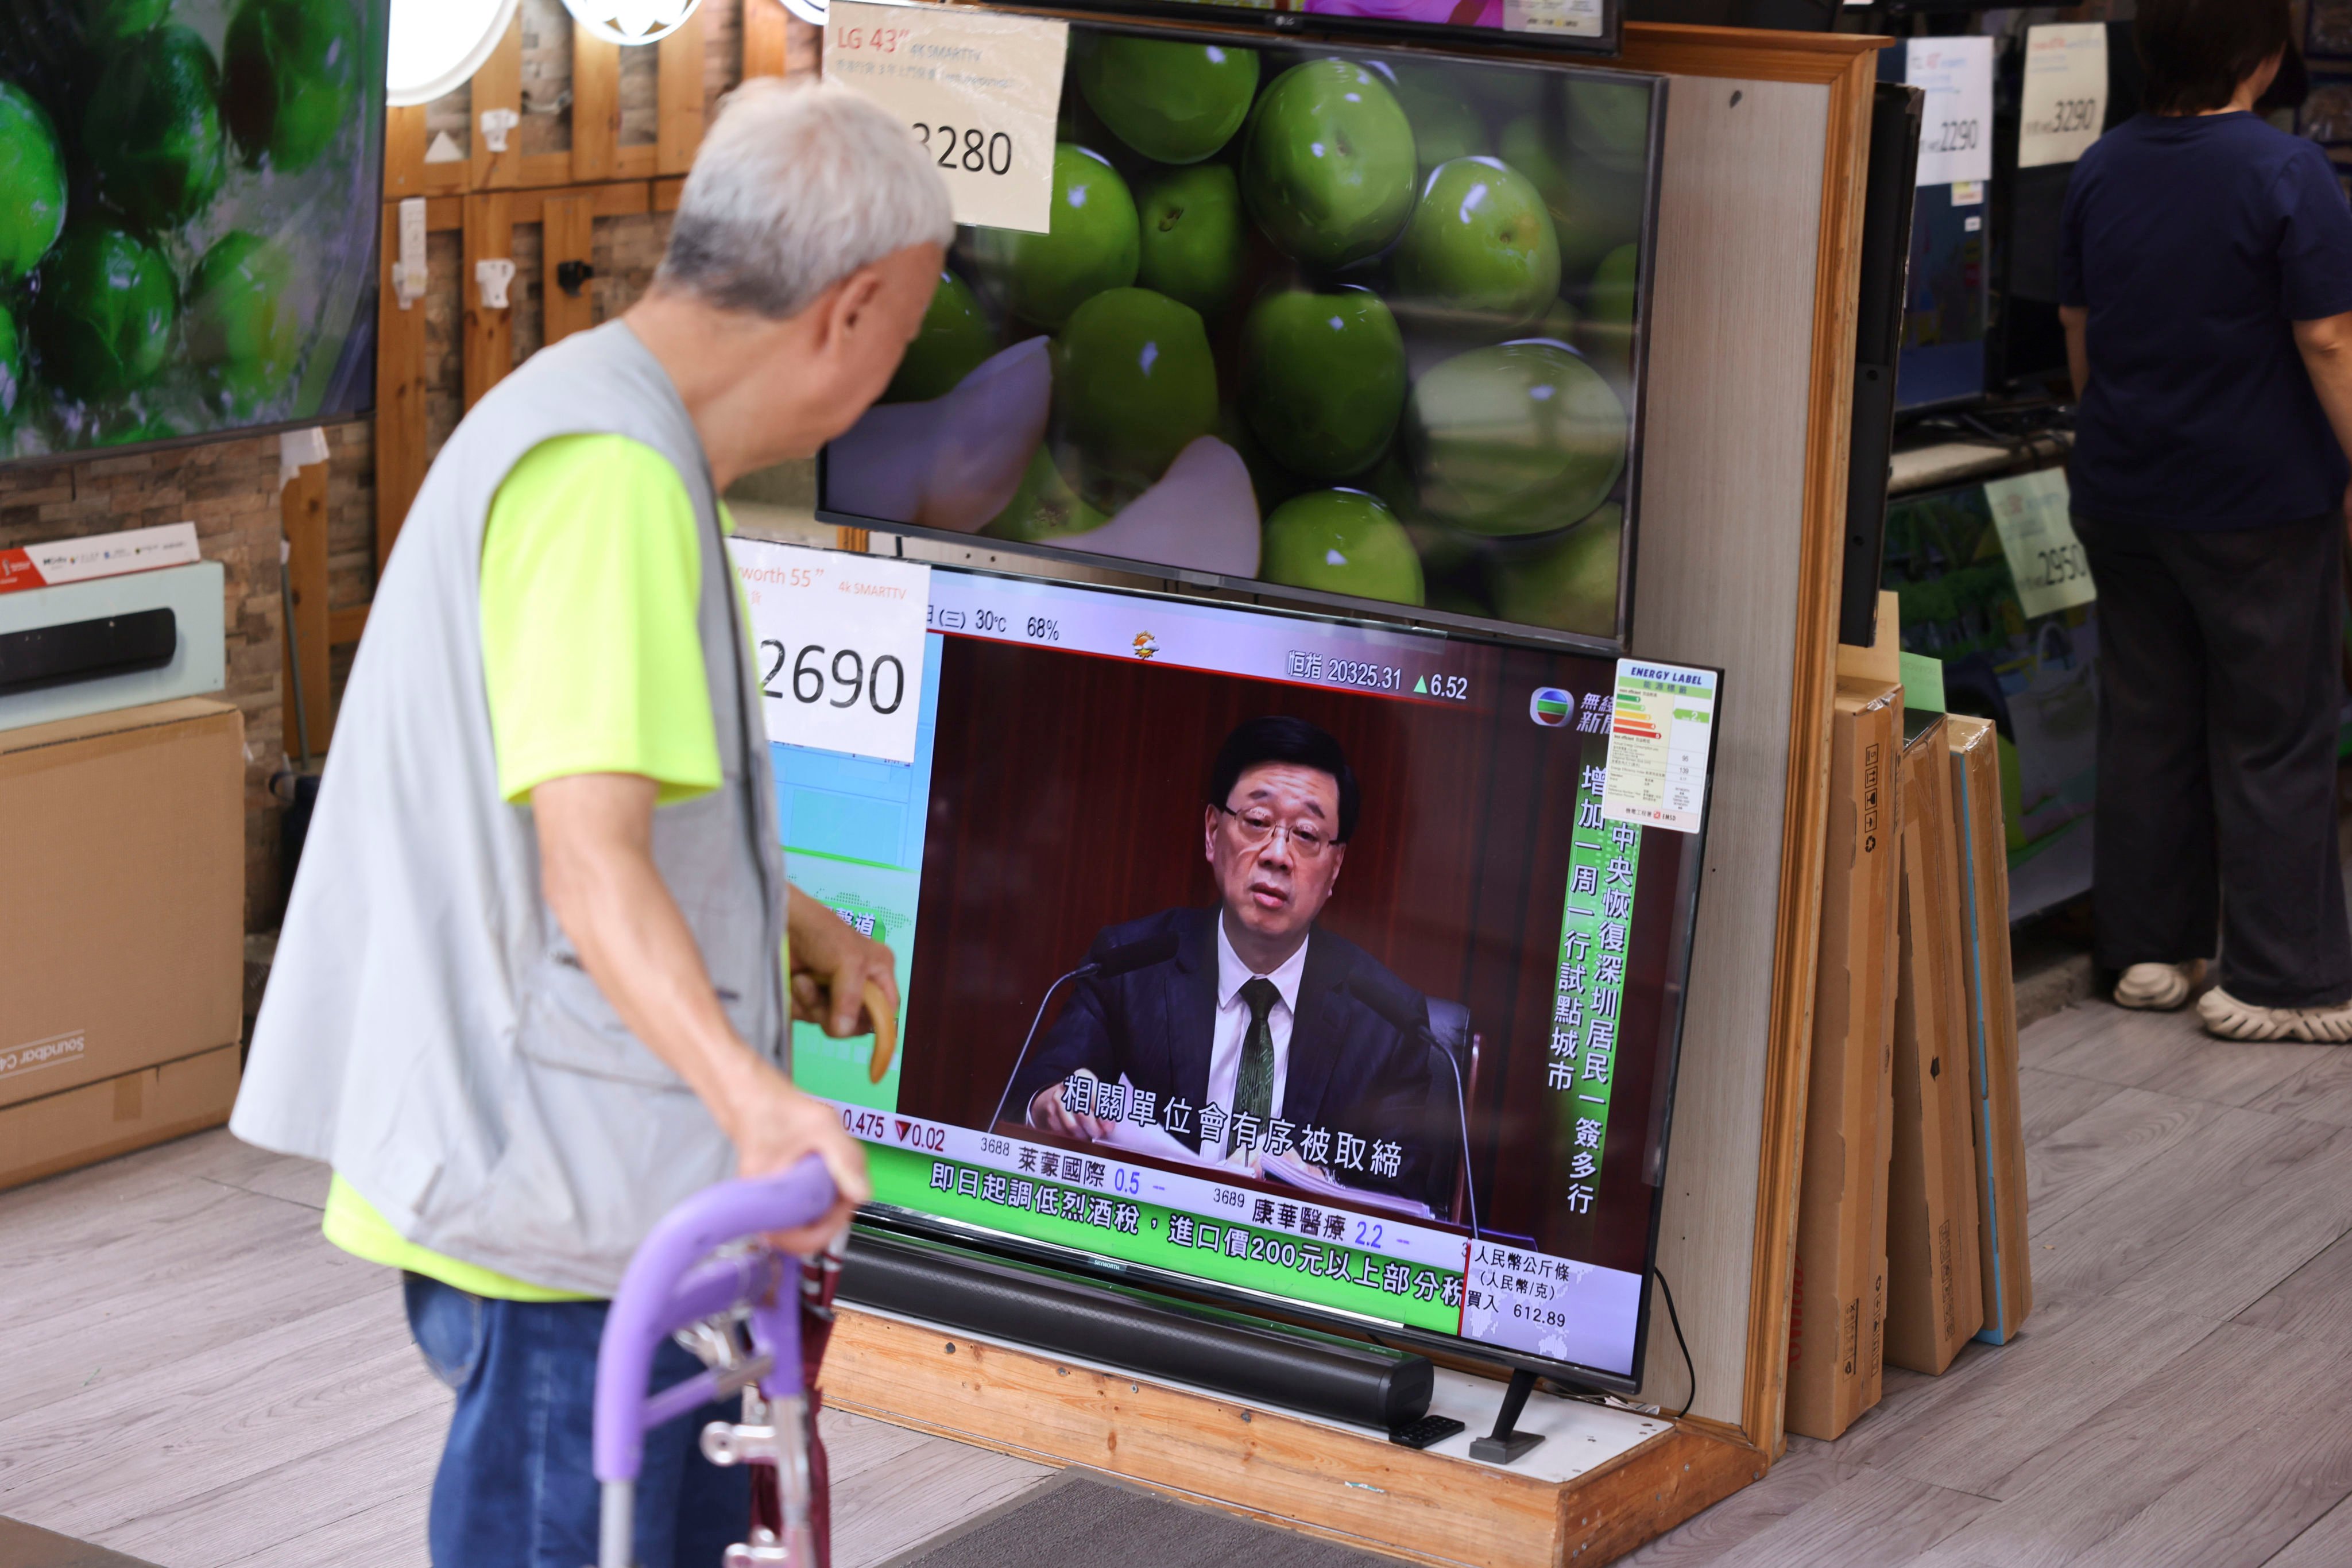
[(2205, 278)]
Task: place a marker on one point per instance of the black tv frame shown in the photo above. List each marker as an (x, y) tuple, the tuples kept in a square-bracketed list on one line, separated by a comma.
[(882, 1220), (1608, 45), (1629, 549), (1896, 113)]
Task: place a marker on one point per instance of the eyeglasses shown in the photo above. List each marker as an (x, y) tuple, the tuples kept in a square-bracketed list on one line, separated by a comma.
[(1258, 826)]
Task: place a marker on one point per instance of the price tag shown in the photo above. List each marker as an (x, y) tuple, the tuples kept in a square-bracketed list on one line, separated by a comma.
[(2037, 535), (2065, 100), (840, 659), (1956, 74), (1660, 729), (978, 87), (1573, 18)]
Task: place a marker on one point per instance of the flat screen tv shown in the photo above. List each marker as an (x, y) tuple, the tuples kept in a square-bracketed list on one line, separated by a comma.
[(1456, 1131), (1367, 329), (1588, 26), (189, 201)]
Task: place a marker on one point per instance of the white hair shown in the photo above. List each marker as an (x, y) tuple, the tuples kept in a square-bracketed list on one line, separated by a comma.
[(797, 185)]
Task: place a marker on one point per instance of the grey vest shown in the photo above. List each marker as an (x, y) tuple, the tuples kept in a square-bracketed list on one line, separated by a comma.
[(429, 1029)]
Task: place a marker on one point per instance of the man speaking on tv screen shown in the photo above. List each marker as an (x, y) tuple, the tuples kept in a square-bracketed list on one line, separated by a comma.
[(1258, 1040)]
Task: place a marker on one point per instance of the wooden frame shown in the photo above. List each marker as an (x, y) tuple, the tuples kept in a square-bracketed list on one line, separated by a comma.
[(1342, 1485)]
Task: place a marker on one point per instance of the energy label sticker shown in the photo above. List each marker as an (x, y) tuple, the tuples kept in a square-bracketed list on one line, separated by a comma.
[(978, 87), (1659, 731)]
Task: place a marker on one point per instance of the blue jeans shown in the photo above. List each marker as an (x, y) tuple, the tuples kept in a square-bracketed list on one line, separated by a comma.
[(515, 1489)]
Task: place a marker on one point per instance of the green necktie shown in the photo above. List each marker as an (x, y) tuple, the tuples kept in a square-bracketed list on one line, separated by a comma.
[(1254, 1088)]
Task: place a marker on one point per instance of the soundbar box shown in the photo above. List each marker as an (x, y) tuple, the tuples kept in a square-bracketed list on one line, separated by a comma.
[(1151, 1336), (109, 643)]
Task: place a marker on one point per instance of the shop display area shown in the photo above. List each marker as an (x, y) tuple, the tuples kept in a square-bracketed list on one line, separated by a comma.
[(174, 1433)]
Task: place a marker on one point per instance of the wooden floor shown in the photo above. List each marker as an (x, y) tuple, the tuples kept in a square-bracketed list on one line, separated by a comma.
[(189, 1375)]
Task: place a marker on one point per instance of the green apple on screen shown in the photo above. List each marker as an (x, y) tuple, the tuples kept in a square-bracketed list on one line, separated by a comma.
[(1521, 438), (1093, 244), (1480, 240), (1323, 379), (1594, 208), (1134, 384), (106, 307), (1175, 102), (954, 339), (241, 328), (1194, 244), (290, 73), (1608, 332), (1341, 541), (153, 129), (1044, 508), (1569, 586), (32, 184), (1443, 125), (1328, 163)]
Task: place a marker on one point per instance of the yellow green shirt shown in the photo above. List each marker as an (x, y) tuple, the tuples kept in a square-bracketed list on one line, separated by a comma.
[(592, 656)]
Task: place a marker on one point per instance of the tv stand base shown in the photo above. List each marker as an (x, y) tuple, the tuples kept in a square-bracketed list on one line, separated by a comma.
[(1345, 1484)]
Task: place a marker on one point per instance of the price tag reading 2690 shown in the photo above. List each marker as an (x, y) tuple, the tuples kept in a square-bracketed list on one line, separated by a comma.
[(838, 677)]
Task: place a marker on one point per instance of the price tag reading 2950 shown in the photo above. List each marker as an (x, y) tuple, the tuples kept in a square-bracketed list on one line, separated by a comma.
[(838, 677)]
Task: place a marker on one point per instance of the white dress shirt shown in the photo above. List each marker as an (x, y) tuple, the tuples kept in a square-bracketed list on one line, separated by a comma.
[(1233, 1024)]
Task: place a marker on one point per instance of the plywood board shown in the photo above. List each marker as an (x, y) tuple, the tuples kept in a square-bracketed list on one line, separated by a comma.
[(400, 428), (568, 225), (1718, 581), (595, 106), (488, 346), (678, 123), (497, 84)]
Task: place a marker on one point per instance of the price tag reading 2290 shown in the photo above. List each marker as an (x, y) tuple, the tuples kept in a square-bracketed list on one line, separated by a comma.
[(979, 89)]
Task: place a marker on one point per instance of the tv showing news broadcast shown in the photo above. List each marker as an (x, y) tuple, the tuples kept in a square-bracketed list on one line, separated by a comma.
[(1328, 967), (1363, 324)]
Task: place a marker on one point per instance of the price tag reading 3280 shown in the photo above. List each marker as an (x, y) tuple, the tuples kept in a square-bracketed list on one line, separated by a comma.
[(977, 88)]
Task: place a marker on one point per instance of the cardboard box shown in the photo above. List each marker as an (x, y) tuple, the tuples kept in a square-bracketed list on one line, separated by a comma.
[(113, 1116), (1934, 1288), (2006, 1260), (1837, 1316), (125, 912)]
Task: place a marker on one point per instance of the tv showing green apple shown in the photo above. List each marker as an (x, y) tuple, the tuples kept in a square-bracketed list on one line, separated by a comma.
[(189, 201), (1360, 324)]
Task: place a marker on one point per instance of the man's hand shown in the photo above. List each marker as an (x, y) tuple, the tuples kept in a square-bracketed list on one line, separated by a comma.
[(832, 967), (773, 1127), (1046, 1110)]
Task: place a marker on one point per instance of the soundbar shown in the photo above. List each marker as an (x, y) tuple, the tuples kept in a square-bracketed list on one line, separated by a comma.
[(1153, 1337), (87, 650)]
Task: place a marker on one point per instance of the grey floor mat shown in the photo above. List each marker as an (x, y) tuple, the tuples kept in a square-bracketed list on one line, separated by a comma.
[(1086, 1518)]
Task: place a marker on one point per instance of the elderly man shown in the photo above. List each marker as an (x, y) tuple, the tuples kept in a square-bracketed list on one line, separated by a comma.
[(537, 977)]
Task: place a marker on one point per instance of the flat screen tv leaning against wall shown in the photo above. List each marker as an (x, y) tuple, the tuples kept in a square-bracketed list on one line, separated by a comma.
[(190, 193), (1369, 327), (1463, 1141)]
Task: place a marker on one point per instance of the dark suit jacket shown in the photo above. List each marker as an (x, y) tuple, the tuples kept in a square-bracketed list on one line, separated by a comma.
[(1351, 1069)]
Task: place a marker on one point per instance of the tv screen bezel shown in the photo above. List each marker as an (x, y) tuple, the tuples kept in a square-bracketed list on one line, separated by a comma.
[(1608, 45), (1451, 621), (1096, 1268)]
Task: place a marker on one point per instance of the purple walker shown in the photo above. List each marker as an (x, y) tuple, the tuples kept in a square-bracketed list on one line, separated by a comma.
[(759, 1320)]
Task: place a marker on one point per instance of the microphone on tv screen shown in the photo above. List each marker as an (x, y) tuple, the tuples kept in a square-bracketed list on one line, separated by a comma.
[(1122, 960), (1130, 956)]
